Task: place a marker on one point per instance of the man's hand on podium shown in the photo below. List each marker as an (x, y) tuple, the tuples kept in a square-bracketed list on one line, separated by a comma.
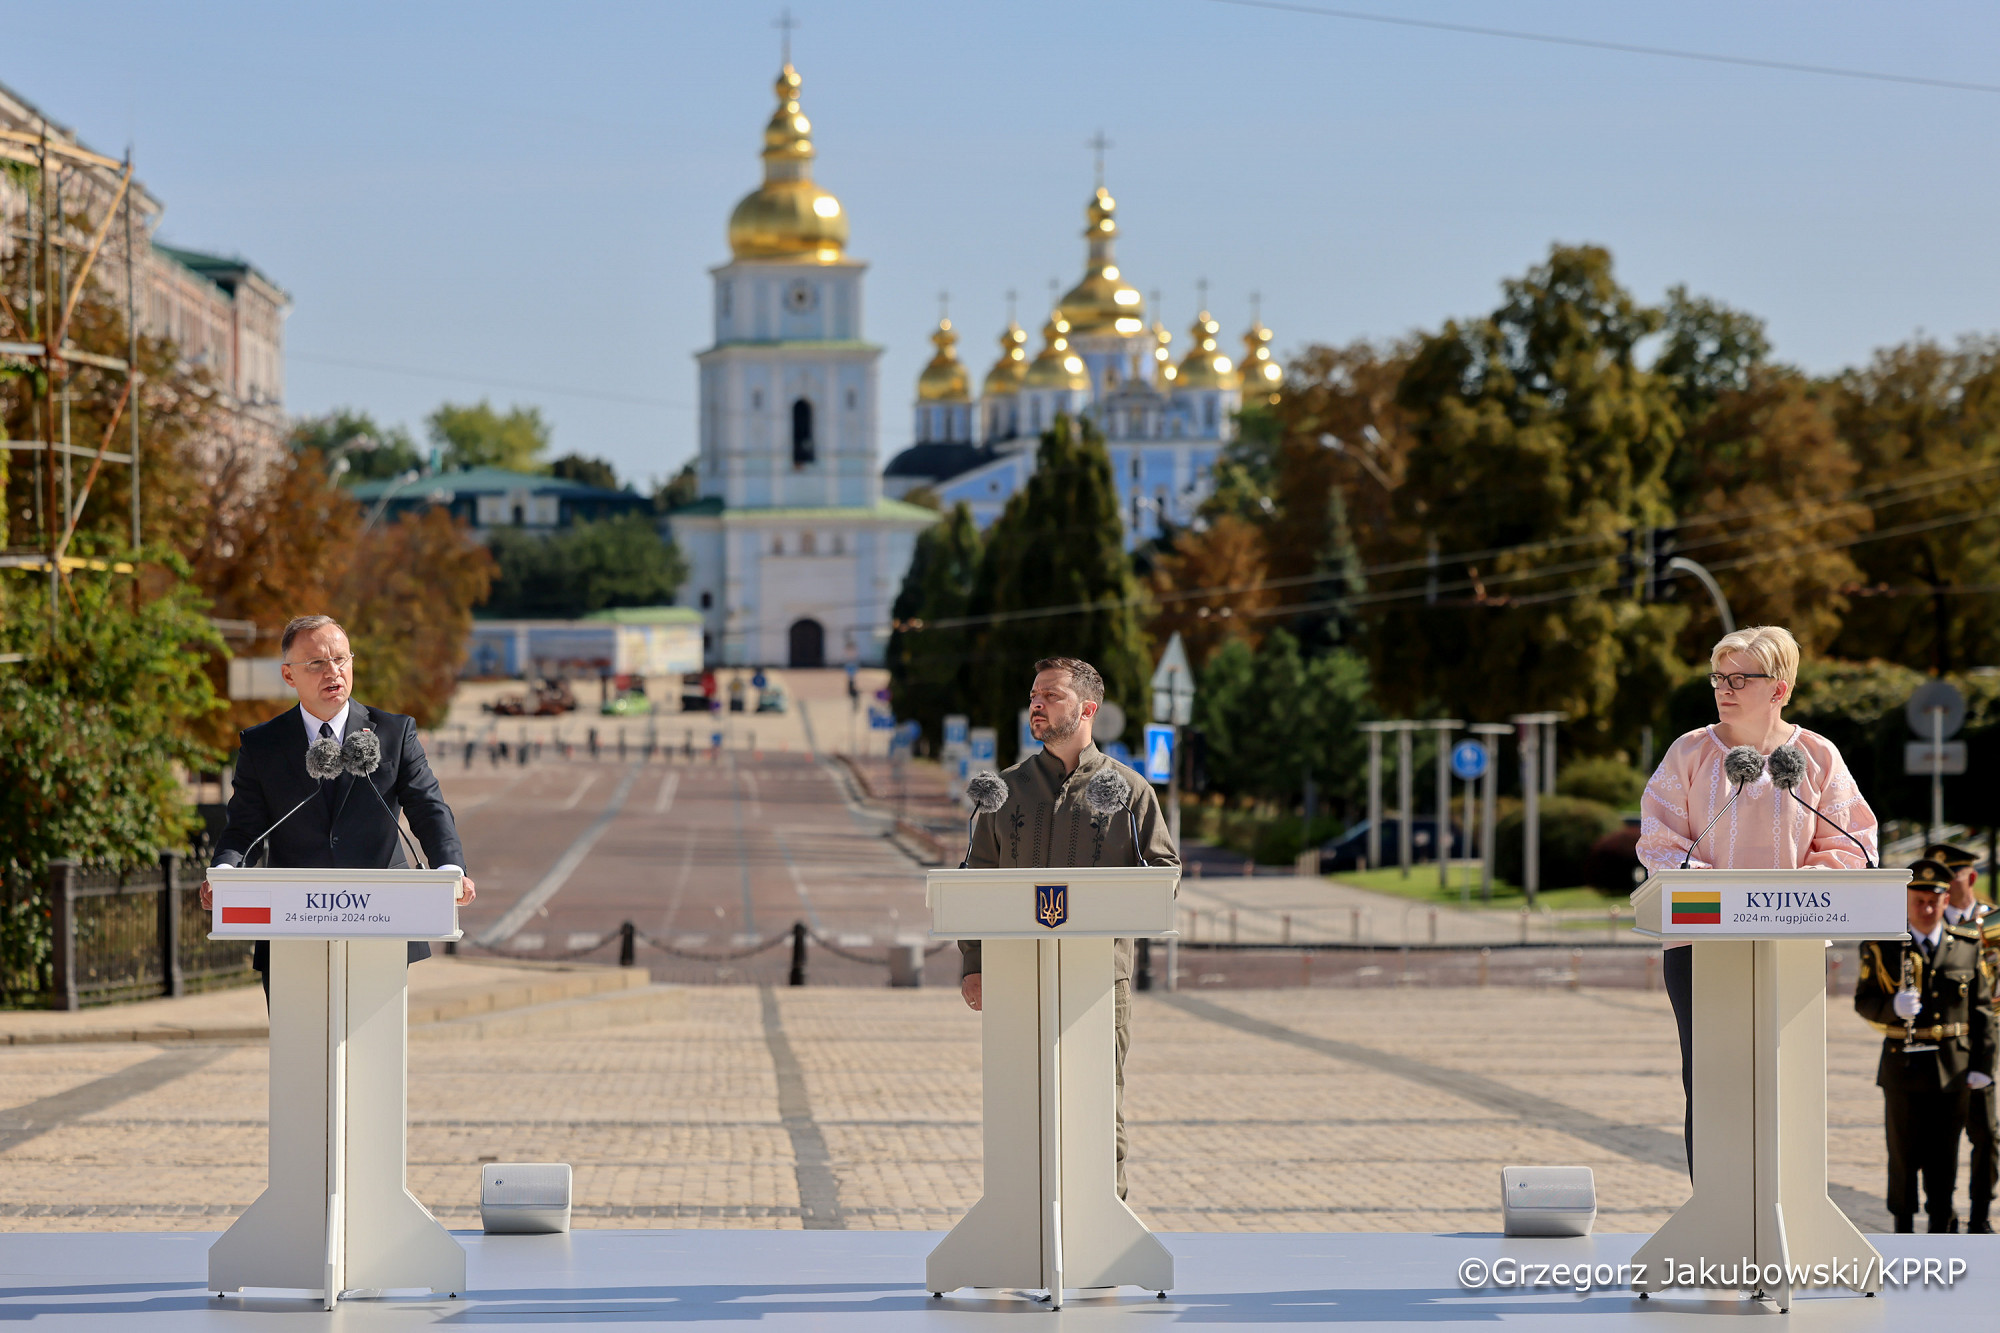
[(1908, 1004), (466, 893), (969, 987)]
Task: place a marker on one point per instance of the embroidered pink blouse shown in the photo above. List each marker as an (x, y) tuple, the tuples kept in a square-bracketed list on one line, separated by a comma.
[(1765, 828)]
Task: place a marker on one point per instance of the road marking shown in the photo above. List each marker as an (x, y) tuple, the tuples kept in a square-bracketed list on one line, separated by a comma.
[(665, 801), (756, 802), (532, 901), (576, 797), (798, 880), (500, 790)]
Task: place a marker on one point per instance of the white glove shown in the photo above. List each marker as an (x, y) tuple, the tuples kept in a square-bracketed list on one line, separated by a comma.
[(1976, 1080), (1908, 1004)]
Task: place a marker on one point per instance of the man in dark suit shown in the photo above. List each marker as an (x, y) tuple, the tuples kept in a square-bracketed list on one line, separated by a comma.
[(339, 825)]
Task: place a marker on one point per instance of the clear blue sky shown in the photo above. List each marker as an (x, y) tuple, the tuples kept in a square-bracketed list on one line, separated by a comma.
[(521, 201)]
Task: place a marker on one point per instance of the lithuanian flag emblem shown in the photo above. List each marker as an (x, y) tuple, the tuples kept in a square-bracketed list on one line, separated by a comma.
[(1697, 907)]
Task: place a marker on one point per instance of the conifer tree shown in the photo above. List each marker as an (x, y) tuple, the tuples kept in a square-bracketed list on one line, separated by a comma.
[(1056, 582), (929, 656)]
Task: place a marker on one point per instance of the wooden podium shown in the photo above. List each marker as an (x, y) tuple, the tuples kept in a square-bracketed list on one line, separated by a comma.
[(1050, 1217), (1760, 940), (336, 1217)]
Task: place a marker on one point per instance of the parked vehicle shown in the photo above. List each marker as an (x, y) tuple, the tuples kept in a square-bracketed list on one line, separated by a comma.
[(694, 698), (771, 699), (1350, 850), (630, 700), (547, 698)]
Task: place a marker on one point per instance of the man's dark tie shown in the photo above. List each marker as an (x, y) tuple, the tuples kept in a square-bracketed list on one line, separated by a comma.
[(326, 790), (326, 731)]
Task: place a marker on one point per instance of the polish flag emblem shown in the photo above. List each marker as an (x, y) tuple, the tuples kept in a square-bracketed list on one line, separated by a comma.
[(243, 907)]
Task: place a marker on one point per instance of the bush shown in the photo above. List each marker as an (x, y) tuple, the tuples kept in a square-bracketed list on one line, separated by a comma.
[(1571, 826), (1612, 860), (1608, 781)]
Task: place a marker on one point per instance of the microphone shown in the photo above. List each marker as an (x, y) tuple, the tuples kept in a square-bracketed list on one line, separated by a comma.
[(1788, 769), (322, 762), (360, 756), (1742, 766), (985, 792), (1107, 792)]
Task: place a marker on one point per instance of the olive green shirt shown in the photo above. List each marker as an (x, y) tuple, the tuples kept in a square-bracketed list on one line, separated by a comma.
[(1045, 823)]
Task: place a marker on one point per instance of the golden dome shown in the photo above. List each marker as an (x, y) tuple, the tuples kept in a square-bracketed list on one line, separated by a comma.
[(1205, 367), (1262, 375), (788, 217), (1164, 372), (1057, 366), (1103, 302), (944, 379), (1005, 378)]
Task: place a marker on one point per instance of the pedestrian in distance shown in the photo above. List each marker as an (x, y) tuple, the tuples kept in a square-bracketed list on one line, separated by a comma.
[(1931, 997), (1695, 816)]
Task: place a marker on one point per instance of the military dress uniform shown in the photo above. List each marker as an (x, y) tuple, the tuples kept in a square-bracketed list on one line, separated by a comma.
[(1045, 823), (1924, 1088), (1981, 1127)]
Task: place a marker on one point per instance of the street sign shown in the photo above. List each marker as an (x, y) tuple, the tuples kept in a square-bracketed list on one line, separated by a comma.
[(985, 743), (1109, 724), (1921, 759), (1026, 742), (1121, 752), (1935, 694), (1468, 760), (1159, 754), (759, 680), (878, 720), (1173, 685), (955, 727)]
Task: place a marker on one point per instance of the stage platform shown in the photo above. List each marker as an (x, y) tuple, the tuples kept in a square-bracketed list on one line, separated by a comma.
[(867, 1281)]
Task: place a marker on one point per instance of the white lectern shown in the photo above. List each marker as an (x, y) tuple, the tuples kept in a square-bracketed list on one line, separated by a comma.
[(1050, 1216), (1760, 1070), (336, 1216)]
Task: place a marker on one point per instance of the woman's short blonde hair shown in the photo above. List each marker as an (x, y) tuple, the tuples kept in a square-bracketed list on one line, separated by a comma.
[(1772, 645)]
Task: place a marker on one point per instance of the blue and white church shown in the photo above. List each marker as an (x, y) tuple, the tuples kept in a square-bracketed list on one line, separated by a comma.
[(1165, 422), (795, 554)]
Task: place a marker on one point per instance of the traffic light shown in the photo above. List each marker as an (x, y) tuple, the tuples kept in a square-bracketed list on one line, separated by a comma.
[(1661, 583)]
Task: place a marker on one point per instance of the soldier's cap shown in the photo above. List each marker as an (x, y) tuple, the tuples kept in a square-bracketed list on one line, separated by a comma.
[(1930, 875), (1950, 857)]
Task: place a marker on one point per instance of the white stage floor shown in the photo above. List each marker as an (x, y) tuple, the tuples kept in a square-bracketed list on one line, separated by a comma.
[(866, 1281)]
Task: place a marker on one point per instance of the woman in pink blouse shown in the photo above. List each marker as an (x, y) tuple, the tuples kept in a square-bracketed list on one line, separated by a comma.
[(1753, 672)]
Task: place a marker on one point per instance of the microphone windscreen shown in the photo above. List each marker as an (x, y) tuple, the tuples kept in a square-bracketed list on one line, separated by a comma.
[(1743, 765), (323, 758), (1106, 791), (985, 792), (1788, 767), (361, 754)]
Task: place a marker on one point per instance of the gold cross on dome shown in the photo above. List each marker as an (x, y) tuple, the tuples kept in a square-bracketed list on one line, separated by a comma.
[(1097, 144), (785, 23)]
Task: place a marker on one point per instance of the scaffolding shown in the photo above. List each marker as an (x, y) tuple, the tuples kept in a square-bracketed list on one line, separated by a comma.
[(57, 218)]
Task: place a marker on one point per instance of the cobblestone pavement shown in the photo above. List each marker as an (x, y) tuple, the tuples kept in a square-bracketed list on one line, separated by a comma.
[(1274, 1110)]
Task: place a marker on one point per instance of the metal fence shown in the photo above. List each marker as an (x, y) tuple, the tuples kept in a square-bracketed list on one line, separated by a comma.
[(99, 935)]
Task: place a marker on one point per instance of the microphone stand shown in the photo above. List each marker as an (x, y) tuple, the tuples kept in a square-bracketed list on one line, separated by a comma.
[(1711, 824), (317, 789), (367, 780), (1869, 860)]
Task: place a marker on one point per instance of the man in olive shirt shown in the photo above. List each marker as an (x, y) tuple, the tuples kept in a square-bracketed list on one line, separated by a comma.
[(1045, 823)]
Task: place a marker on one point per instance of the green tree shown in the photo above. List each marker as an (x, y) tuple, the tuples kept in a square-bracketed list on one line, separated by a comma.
[(586, 470), (928, 660), (1272, 716), (1534, 429), (1928, 417), (478, 436), (1055, 582), (370, 451), (683, 488), (589, 567)]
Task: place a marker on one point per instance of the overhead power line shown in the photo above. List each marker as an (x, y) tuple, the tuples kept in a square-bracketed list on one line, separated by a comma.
[(1626, 48)]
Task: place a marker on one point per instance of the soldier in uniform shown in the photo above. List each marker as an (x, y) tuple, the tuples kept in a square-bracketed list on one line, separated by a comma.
[(1932, 999), (1964, 907), (1045, 823)]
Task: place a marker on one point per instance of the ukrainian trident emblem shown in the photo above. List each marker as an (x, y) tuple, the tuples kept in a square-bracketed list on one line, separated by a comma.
[(1052, 904)]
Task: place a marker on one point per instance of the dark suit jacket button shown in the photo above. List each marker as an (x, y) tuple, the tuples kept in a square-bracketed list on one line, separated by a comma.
[(334, 840)]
